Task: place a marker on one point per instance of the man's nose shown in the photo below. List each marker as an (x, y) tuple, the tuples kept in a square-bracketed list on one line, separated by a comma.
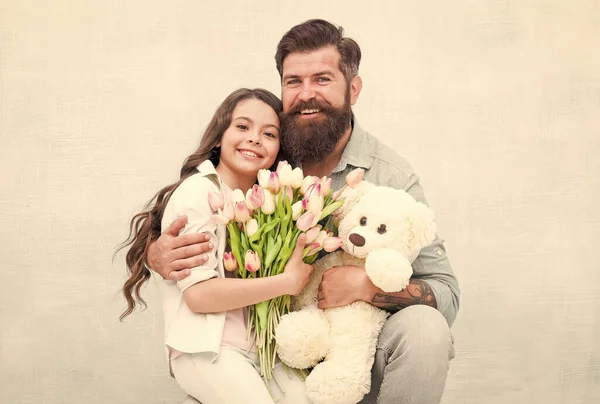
[(307, 93)]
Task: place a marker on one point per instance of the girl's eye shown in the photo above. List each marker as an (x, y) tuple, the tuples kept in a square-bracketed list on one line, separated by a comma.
[(269, 134), (242, 127)]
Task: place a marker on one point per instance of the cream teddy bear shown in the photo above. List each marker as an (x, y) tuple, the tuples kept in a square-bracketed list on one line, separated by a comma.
[(383, 229)]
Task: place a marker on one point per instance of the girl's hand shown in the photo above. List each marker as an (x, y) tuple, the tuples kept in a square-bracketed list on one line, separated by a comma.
[(297, 272)]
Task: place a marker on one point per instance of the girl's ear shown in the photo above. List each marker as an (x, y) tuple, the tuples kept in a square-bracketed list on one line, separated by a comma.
[(218, 144)]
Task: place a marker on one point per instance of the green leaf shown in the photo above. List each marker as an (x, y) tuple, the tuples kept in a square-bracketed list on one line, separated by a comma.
[(262, 310), (273, 251), (330, 208)]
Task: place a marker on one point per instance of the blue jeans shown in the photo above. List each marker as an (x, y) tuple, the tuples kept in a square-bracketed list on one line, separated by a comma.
[(412, 358)]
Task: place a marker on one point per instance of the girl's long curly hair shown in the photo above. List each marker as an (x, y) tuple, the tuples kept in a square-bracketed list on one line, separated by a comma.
[(144, 227)]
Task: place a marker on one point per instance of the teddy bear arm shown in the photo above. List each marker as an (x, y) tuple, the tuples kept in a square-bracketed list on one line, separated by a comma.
[(388, 269)]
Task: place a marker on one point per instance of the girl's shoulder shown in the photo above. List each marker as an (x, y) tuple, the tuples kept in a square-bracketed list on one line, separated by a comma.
[(197, 184)]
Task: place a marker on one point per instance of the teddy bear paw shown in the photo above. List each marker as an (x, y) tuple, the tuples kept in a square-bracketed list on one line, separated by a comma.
[(337, 383), (302, 338)]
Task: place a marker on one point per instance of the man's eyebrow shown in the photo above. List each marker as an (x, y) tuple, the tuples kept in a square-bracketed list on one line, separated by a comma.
[(321, 73), (290, 76), (324, 73)]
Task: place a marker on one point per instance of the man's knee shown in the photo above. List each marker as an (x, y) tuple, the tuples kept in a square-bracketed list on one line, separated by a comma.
[(420, 328)]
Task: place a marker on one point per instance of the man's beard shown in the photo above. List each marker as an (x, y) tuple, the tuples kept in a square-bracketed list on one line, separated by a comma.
[(313, 140)]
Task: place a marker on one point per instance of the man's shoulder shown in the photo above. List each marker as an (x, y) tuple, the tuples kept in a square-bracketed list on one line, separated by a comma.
[(388, 167)]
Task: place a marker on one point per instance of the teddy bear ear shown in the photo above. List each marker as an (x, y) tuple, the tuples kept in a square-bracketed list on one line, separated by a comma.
[(351, 196), (422, 226)]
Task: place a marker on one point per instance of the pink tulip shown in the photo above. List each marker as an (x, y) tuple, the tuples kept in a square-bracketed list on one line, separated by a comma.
[(284, 172), (274, 185), (332, 243), (305, 221), (354, 177), (251, 227), (297, 210), (252, 261), (229, 262), (255, 197), (237, 196), (289, 192), (321, 237), (312, 233), (307, 182), (313, 248), (297, 178), (215, 200), (223, 217), (325, 185), (315, 204), (312, 190), (241, 212), (228, 211), (263, 177), (268, 206)]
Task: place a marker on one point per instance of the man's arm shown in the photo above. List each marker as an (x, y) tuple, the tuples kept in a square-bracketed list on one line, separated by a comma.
[(172, 255), (417, 292), (346, 284)]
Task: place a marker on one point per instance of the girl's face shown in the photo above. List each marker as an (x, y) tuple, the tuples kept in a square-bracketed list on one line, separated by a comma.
[(251, 141)]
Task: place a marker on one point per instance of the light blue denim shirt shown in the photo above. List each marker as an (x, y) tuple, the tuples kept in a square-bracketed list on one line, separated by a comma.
[(384, 167)]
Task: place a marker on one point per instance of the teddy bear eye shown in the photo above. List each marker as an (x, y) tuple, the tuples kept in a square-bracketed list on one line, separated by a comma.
[(363, 221), (381, 229)]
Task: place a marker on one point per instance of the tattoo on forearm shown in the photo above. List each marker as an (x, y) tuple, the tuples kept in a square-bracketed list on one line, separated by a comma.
[(417, 292)]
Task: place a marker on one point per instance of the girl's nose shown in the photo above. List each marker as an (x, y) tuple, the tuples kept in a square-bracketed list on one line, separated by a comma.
[(254, 139)]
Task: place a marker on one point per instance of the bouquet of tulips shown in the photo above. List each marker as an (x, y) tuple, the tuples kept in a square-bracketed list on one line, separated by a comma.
[(263, 227)]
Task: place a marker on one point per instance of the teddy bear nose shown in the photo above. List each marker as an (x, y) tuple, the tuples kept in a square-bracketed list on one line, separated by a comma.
[(357, 240)]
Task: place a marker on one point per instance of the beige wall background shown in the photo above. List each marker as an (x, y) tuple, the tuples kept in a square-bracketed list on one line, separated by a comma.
[(496, 104)]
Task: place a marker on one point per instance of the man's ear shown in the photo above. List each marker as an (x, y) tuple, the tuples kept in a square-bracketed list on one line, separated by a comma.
[(355, 88)]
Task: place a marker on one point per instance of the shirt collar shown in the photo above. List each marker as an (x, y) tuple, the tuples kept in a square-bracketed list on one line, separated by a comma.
[(206, 168), (356, 153)]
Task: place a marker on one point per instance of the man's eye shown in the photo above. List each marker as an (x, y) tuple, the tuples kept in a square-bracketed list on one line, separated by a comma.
[(323, 79), (292, 82)]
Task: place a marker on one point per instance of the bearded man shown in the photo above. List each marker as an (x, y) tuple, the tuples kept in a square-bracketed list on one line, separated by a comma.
[(318, 67)]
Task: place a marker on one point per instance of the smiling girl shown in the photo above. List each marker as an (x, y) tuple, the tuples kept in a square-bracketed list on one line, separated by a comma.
[(205, 325)]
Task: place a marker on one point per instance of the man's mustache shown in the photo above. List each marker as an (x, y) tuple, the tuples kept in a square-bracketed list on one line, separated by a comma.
[(312, 104)]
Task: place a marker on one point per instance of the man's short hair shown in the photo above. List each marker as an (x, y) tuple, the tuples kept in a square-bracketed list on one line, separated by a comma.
[(316, 34)]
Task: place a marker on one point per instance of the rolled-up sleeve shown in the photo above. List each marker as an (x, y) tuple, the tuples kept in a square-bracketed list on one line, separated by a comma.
[(191, 199)]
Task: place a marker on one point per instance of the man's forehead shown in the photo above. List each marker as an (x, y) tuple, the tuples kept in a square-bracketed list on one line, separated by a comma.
[(310, 62)]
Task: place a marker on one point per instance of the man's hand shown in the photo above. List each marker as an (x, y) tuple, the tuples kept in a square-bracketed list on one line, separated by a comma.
[(172, 255), (344, 285)]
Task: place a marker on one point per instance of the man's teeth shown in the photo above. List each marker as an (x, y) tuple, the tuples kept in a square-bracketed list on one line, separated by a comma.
[(310, 111), (248, 153)]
